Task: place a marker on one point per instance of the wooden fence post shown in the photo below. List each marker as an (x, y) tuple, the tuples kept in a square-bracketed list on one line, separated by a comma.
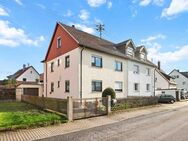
[(70, 108), (108, 106)]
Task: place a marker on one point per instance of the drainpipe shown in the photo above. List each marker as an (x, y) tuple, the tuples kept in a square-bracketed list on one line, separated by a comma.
[(81, 58), (46, 78), (154, 81)]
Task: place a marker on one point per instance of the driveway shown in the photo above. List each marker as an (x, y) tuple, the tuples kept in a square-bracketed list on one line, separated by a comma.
[(171, 124)]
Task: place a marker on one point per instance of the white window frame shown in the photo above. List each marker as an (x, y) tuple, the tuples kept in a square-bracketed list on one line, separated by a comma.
[(136, 69), (116, 68), (148, 87), (129, 51), (148, 71), (59, 39), (120, 89)]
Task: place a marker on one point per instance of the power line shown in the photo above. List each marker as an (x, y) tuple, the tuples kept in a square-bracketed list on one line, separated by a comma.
[(100, 29)]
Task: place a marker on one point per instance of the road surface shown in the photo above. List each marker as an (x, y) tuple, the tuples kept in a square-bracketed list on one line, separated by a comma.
[(170, 125)]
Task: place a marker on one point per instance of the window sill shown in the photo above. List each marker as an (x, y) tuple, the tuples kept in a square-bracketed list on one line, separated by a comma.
[(119, 70), (96, 91), (96, 67)]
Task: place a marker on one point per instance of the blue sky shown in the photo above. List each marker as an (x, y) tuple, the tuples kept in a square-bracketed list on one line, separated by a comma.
[(26, 28)]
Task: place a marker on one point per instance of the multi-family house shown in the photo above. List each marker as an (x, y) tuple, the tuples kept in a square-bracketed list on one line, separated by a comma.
[(181, 78), (82, 65)]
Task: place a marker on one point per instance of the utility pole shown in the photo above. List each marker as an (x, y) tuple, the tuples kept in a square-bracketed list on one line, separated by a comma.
[(100, 28)]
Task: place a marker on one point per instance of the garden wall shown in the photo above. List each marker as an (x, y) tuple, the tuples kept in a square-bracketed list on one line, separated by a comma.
[(58, 105), (133, 102)]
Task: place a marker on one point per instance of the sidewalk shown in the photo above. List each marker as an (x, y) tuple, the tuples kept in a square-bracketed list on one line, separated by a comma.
[(44, 132)]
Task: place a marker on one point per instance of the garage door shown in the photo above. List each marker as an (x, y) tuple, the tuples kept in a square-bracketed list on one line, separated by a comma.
[(31, 91)]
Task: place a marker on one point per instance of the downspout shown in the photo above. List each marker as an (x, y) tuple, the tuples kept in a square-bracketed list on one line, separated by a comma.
[(81, 58), (46, 78), (154, 81)]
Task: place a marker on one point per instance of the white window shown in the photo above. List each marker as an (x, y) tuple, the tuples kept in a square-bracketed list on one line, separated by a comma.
[(147, 71), (129, 51), (118, 86), (96, 86), (52, 67), (136, 69), (118, 66), (96, 61), (148, 87), (136, 86), (58, 62), (58, 42), (142, 56)]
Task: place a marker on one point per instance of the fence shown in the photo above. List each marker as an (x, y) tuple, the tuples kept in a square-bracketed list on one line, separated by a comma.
[(59, 105), (90, 107), (133, 102), (7, 94)]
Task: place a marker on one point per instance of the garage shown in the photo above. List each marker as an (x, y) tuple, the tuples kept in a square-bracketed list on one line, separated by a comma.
[(31, 91)]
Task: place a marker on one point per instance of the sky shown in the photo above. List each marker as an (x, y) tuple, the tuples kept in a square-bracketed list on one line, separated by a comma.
[(26, 28)]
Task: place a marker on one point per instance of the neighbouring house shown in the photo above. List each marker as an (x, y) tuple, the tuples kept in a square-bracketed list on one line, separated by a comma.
[(27, 81), (165, 84), (26, 74), (181, 78), (82, 65)]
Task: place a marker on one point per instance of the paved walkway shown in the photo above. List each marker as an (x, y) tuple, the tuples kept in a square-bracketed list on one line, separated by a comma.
[(44, 132)]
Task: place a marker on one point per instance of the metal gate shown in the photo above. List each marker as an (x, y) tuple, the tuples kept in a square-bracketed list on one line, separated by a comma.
[(89, 107)]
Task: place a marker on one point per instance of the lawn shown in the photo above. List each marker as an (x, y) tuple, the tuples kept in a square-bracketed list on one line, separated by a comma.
[(18, 115)]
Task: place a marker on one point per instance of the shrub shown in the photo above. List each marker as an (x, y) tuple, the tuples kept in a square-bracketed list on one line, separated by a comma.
[(109, 91)]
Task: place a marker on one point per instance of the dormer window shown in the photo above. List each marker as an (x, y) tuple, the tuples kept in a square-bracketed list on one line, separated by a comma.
[(142, 56), (59, 42), (129, 51)]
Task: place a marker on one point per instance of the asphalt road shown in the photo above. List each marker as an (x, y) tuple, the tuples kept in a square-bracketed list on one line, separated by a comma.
[(171, 125)]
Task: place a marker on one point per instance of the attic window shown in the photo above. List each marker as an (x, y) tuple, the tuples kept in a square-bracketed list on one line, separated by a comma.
[(142, 56), (129, 51), (59, 42)]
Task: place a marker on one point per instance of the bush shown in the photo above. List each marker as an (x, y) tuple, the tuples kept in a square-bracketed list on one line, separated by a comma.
[(109, 91)]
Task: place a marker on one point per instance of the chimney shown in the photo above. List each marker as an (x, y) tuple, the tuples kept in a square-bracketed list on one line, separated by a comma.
[(24, 66), (73, 26), (159, 65)]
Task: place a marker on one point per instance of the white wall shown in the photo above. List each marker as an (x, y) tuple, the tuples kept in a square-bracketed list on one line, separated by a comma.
[(142, 78), (161, 82), (180, 80), (31, 75), (107, 74), (61, 74)]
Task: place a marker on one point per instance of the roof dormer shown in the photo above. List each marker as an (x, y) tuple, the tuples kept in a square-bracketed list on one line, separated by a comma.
[(127, 47), (141, 53)]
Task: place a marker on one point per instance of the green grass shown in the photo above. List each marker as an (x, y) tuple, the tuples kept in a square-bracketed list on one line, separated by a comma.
[(18, 115)]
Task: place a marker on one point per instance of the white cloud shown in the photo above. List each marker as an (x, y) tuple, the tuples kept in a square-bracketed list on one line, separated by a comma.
[(18, 2), (153, 38), (176, 7), (3, 12), (96, 3), (169, 57), (13, 37), (84, 28), (147, 2), (109, 4), (144, 2), (68, 13), (41, 6), (84, 15)]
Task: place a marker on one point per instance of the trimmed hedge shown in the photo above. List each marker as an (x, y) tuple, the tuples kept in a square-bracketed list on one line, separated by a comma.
[(109, 91)]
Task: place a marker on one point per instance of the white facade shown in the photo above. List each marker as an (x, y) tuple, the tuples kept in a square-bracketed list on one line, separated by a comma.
[(181, 80), (142, 78), (30, 75), (106, 74)]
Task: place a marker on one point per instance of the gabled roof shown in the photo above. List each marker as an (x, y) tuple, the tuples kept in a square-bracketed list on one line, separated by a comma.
[(184, 74), (165, 76), (93, 42), (20, 72), (140, 49), (126, 43)]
